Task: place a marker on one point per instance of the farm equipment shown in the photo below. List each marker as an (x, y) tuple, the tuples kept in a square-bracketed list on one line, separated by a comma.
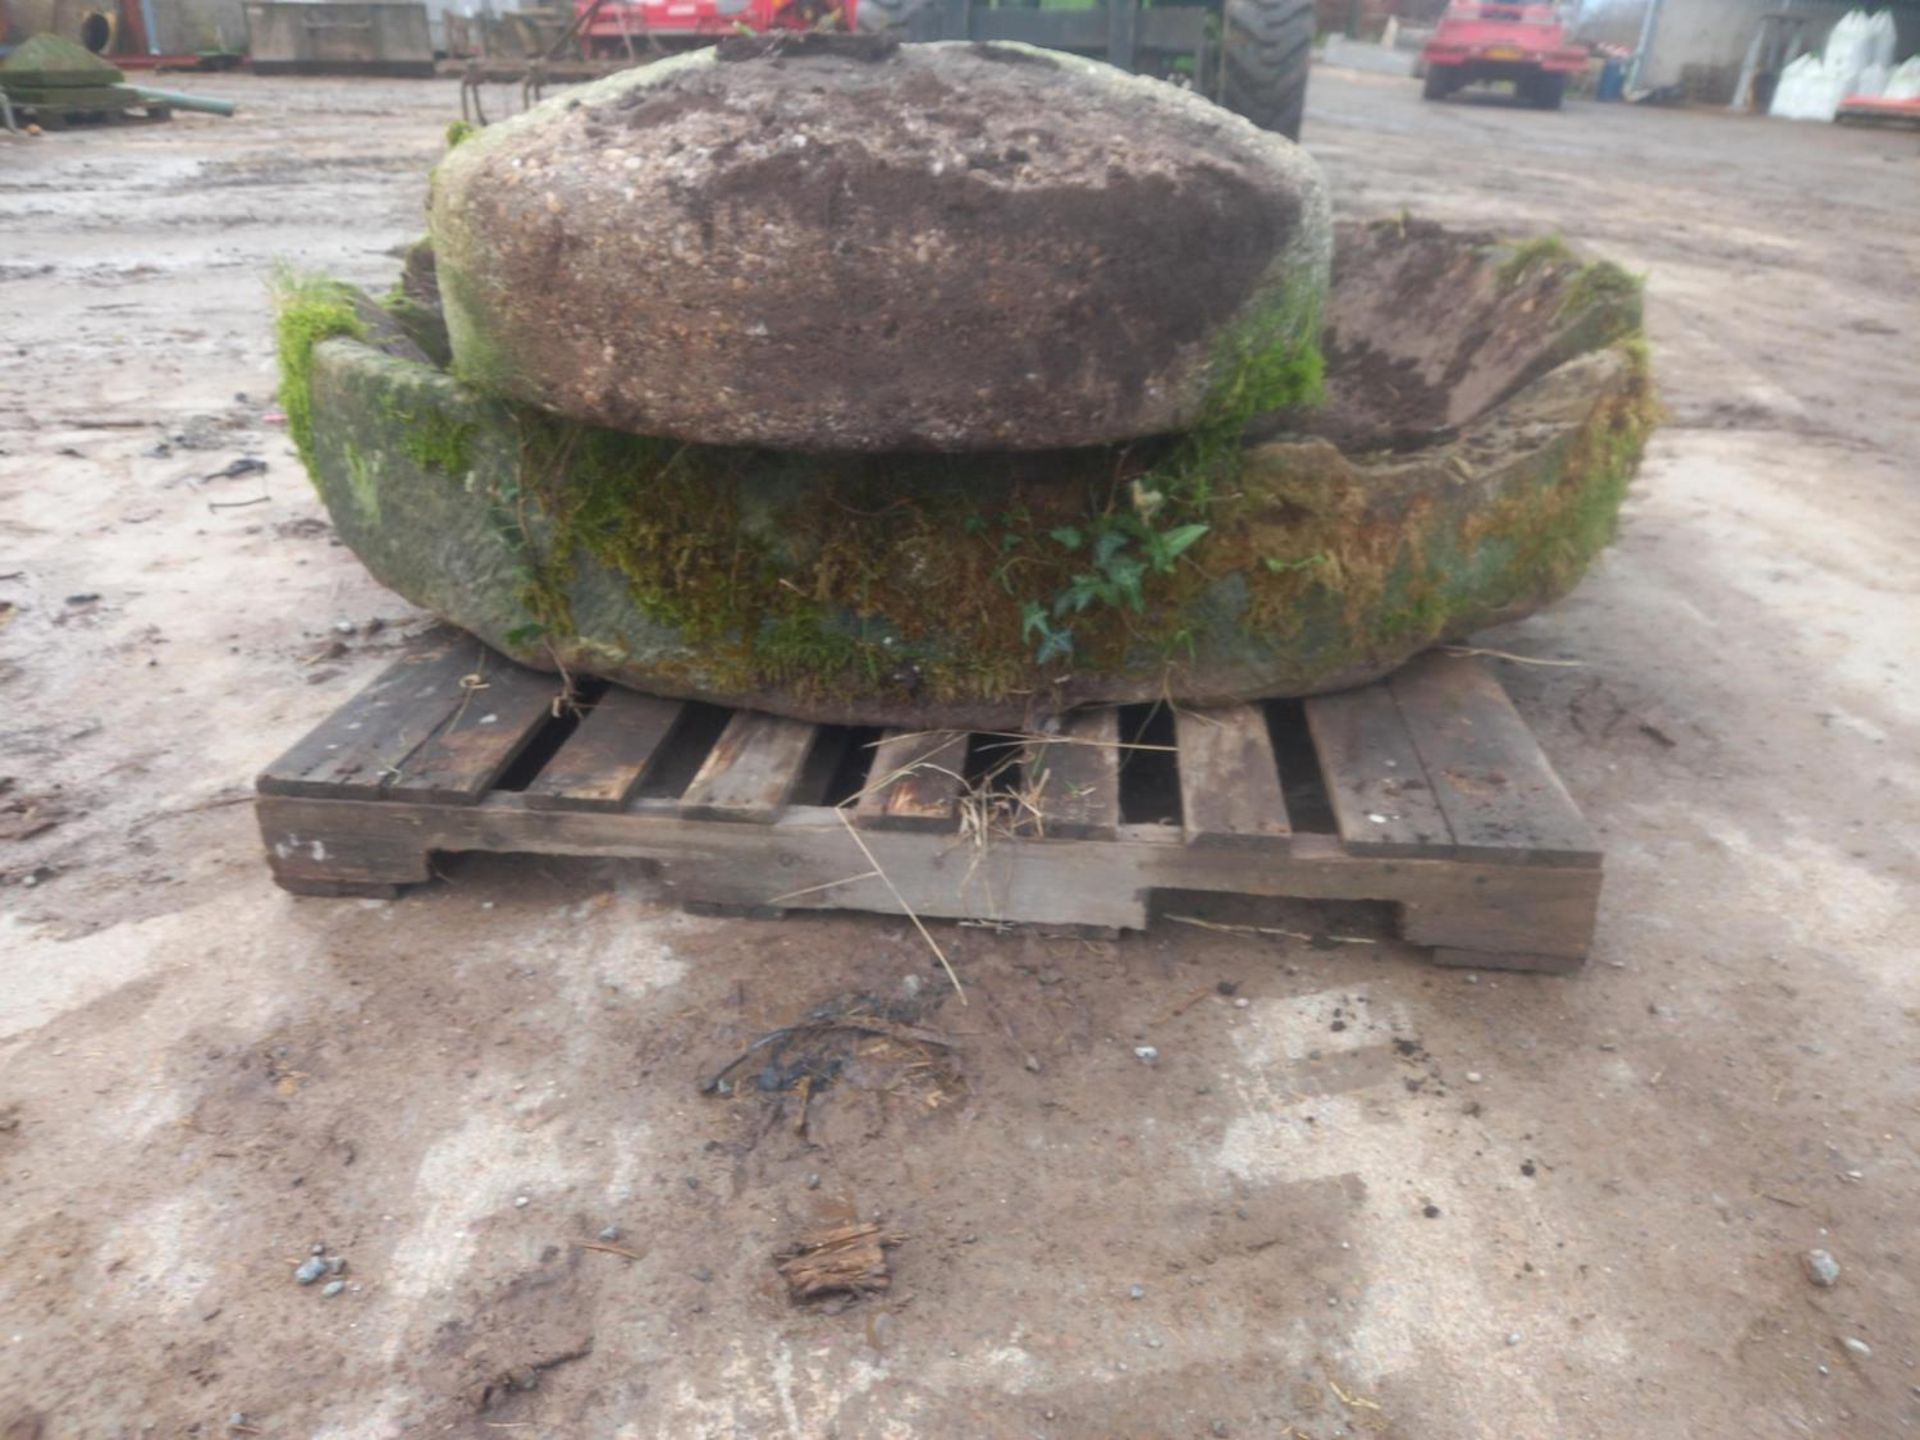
[(638, 30), (1524, 44), (1249, 55), (1879, 110), (52, 82)]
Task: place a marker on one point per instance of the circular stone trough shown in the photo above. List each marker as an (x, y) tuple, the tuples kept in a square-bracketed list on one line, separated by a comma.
[(1485, 406)]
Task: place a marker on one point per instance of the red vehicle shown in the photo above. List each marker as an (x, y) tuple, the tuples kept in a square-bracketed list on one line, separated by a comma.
[(615, 29), (1526, 44)]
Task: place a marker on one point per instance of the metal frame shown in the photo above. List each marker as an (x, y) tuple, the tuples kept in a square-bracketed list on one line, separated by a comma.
[(1118, 33)]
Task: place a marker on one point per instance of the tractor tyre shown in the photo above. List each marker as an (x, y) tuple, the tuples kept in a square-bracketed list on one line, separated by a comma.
[(1269, 46), (1546, 91), (871, 17), (1439, 83)]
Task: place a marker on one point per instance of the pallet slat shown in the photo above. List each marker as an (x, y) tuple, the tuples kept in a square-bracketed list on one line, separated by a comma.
[(351, 753), (487, 730), (1230, 791), (1490, 778), (751, 771), (1382, 799), (600, 765), (915, 781), (1074, 782)]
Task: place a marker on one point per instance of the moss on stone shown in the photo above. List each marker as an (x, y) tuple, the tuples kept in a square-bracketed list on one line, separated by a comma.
[(364, 484), (1269, 361), (421, 324), (1603, 285), (1339, 565), (438, 441), (1526, 255), (307, 310), (1600, 288), (837, 577), (826, 574), (920, 582), (1554, 530)]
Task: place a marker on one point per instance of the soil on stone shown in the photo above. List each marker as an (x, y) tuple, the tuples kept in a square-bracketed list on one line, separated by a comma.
[(966, 259), (1180, 256), (1376, 401)]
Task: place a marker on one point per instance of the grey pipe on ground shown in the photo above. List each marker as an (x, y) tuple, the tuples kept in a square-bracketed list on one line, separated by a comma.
[(178, 101)]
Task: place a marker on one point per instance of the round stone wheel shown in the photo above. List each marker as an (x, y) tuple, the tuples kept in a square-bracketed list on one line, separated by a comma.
[(985, 590), (836, 243)]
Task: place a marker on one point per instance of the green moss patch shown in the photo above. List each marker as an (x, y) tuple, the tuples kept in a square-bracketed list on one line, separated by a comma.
[(826, 574), (436, 440), (1600, 287), (1530, 254), (307, 310), (962, 579), (1270, 361)]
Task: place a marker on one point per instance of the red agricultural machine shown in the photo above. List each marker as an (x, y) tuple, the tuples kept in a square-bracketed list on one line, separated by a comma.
[(1524, 44), (641, 29)]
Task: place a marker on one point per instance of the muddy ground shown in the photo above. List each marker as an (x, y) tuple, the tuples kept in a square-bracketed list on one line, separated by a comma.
[(1334, 1228)]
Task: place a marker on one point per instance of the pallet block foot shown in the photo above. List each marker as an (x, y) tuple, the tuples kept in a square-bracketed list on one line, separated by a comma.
[(338, 858), (1509, 918)]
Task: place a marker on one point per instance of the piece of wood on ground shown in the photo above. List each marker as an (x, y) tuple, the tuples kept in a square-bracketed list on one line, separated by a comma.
[(751, 771), (1501, 798), (351, 754), (1383, 802), (843, 1260), (503, 710), (601, 764), (1073, 783), (1230, 790), (915, 781)]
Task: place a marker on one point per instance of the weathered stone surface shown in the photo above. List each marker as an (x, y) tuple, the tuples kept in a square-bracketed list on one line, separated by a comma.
[(969, 589), (940, 247), (1427, 327)]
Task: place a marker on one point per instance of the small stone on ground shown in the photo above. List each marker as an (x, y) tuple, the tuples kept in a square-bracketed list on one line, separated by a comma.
[(1822, 1269)]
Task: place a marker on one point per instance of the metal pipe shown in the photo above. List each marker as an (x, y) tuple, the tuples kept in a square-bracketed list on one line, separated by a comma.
[(1648, 23), (175, 100), (580, 22)]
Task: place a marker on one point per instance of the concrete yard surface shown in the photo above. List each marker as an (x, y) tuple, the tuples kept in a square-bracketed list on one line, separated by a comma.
[(1349, 1193)]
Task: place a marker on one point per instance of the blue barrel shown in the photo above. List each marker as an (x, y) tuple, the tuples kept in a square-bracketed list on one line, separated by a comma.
[(1613, 80)]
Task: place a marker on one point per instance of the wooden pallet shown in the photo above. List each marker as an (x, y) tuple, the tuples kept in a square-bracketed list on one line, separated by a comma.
[(1426, 790)]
